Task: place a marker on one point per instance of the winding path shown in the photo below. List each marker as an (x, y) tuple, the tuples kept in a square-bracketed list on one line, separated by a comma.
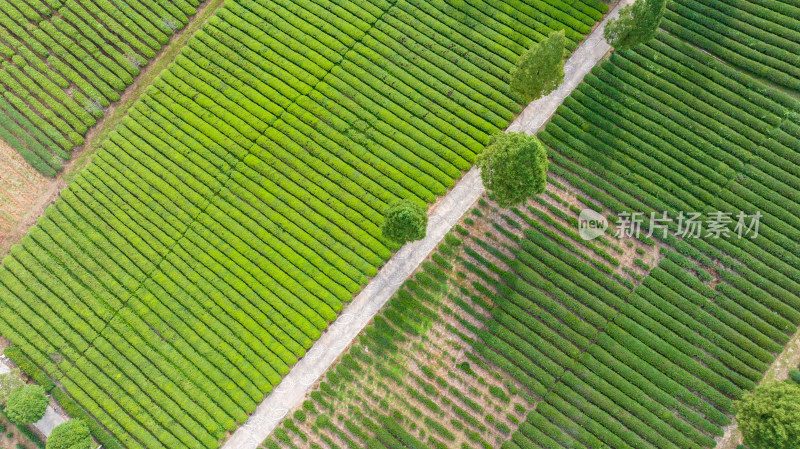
[(293, 388)]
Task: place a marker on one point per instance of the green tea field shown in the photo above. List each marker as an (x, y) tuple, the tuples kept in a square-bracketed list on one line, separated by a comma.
[(65, 61), (232, 213), (236, 202), (519, 333)]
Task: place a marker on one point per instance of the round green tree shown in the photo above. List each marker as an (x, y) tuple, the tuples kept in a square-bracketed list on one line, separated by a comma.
[(27, 405), (73, 434), (513, 168), (540, 69), (636, 24), (404, 221), (769, 417)]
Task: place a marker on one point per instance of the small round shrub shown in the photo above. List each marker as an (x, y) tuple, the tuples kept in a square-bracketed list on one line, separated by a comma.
[(404, 221), (27, 405), (323, 421)]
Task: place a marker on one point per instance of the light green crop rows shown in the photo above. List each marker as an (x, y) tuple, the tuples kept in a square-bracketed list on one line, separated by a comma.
[(65, 61), (230, 216), (703, 118)]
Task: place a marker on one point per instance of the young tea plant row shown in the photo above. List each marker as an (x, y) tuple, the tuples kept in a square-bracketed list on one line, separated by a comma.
[(63, 62), (644, 133), (625, 360), (228, 218), (661, 341), (547, 323), (435, 404), (673, 358), (410, 379), (415, 365)]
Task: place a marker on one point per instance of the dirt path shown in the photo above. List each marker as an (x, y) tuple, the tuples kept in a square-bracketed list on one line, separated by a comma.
[(25, 193), (23, 196), (590, 52), (355, 317)]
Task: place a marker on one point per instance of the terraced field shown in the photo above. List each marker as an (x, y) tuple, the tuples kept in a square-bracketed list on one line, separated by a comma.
[(235, 210), (534, 338)]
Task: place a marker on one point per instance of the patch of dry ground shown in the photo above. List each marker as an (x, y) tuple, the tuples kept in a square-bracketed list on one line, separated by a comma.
[(11, 438), (21, 188)]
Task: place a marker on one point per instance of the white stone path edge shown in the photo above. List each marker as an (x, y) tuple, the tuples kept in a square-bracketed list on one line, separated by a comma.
[(302, 377)]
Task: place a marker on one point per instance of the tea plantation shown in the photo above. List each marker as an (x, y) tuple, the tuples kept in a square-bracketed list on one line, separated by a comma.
[(520, 334), (64, 62), (235, 210)]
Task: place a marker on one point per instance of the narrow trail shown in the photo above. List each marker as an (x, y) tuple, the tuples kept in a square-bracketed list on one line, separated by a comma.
[(340, 334)]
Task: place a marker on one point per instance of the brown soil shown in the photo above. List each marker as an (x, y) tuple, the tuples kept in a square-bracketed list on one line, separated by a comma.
[(625, 249), (4, 343), (443, 351), (786, 361), (16, 440), (24, 195)]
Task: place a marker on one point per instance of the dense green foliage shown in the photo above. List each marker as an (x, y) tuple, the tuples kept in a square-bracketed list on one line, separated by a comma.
[(540, 70), (26, 405), (644, 133), (636, 24), (236, 209), (513, 168), (26, 433), (73, 434), (404, 221), (65, 62), (759, 37), (769, 417)]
